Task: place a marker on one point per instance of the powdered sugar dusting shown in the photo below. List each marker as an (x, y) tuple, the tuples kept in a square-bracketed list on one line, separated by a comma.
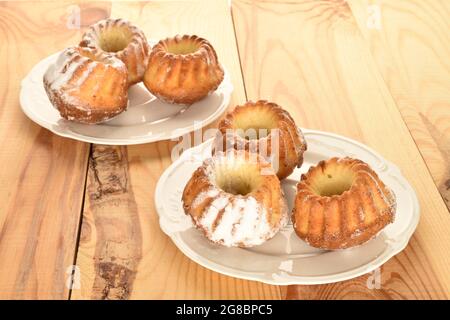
[(243, 221), (233, 220), (390, 201), (211, 213), (62, 71), (136, 50), (202, 196), (64, 78), (90, 67)]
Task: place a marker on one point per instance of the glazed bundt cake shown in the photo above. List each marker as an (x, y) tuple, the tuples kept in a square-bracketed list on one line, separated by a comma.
[(125, 41), (341, 203), (251, 127), (183, 70), (87, 86), (236, 199)]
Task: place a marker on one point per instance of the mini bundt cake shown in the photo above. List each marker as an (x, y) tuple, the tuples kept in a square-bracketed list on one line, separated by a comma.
[(251, 127), (236, 199), (125, 41), (341, 203), (183, 70), (87, 86)]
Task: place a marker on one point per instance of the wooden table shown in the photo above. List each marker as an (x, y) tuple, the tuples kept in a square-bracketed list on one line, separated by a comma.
[(375, 71)]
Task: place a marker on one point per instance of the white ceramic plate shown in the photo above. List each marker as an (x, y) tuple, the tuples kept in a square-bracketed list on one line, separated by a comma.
[(146, 120), (285, 259)]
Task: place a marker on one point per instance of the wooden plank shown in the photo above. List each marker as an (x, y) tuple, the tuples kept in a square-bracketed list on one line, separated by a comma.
[(42, 176), (322, 71), (123, 253), (411, 46)]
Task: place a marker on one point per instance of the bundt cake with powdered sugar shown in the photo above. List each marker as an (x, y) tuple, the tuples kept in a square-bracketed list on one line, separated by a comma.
[(265, 128), (183, 69), (236, 199), (87, 86), (341, 203), (123, 40)]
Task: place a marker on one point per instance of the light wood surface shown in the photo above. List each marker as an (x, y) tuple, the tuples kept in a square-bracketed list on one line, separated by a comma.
[(42, 176), (122, 246), (322, 71), (66, 202), (411, 47)]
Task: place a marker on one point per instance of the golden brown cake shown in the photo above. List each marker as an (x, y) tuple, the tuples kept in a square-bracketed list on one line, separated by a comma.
[(87, 86), (183, 70), (341, 203), (236, 199), (123, 40), (250, 127)]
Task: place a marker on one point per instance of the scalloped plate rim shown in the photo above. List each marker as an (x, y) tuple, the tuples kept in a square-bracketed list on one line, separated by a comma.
[(59, 130), (287, 279)]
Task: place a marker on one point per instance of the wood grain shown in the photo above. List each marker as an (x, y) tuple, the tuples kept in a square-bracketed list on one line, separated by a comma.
[(411, 48), (42, 176), (147, 264), (400, 278), (311, 58), (112, 207), (320, 60)]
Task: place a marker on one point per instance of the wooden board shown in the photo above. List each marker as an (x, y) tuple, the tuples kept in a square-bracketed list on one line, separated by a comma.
[(311, 58), (42, 176), (123, 253), (411, 46), (323, 60)]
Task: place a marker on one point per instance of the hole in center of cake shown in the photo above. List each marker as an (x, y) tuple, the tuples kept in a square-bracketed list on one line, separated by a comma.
[(182, 47), (238, 178), (254, 125), (115, 39), (333, 183)]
